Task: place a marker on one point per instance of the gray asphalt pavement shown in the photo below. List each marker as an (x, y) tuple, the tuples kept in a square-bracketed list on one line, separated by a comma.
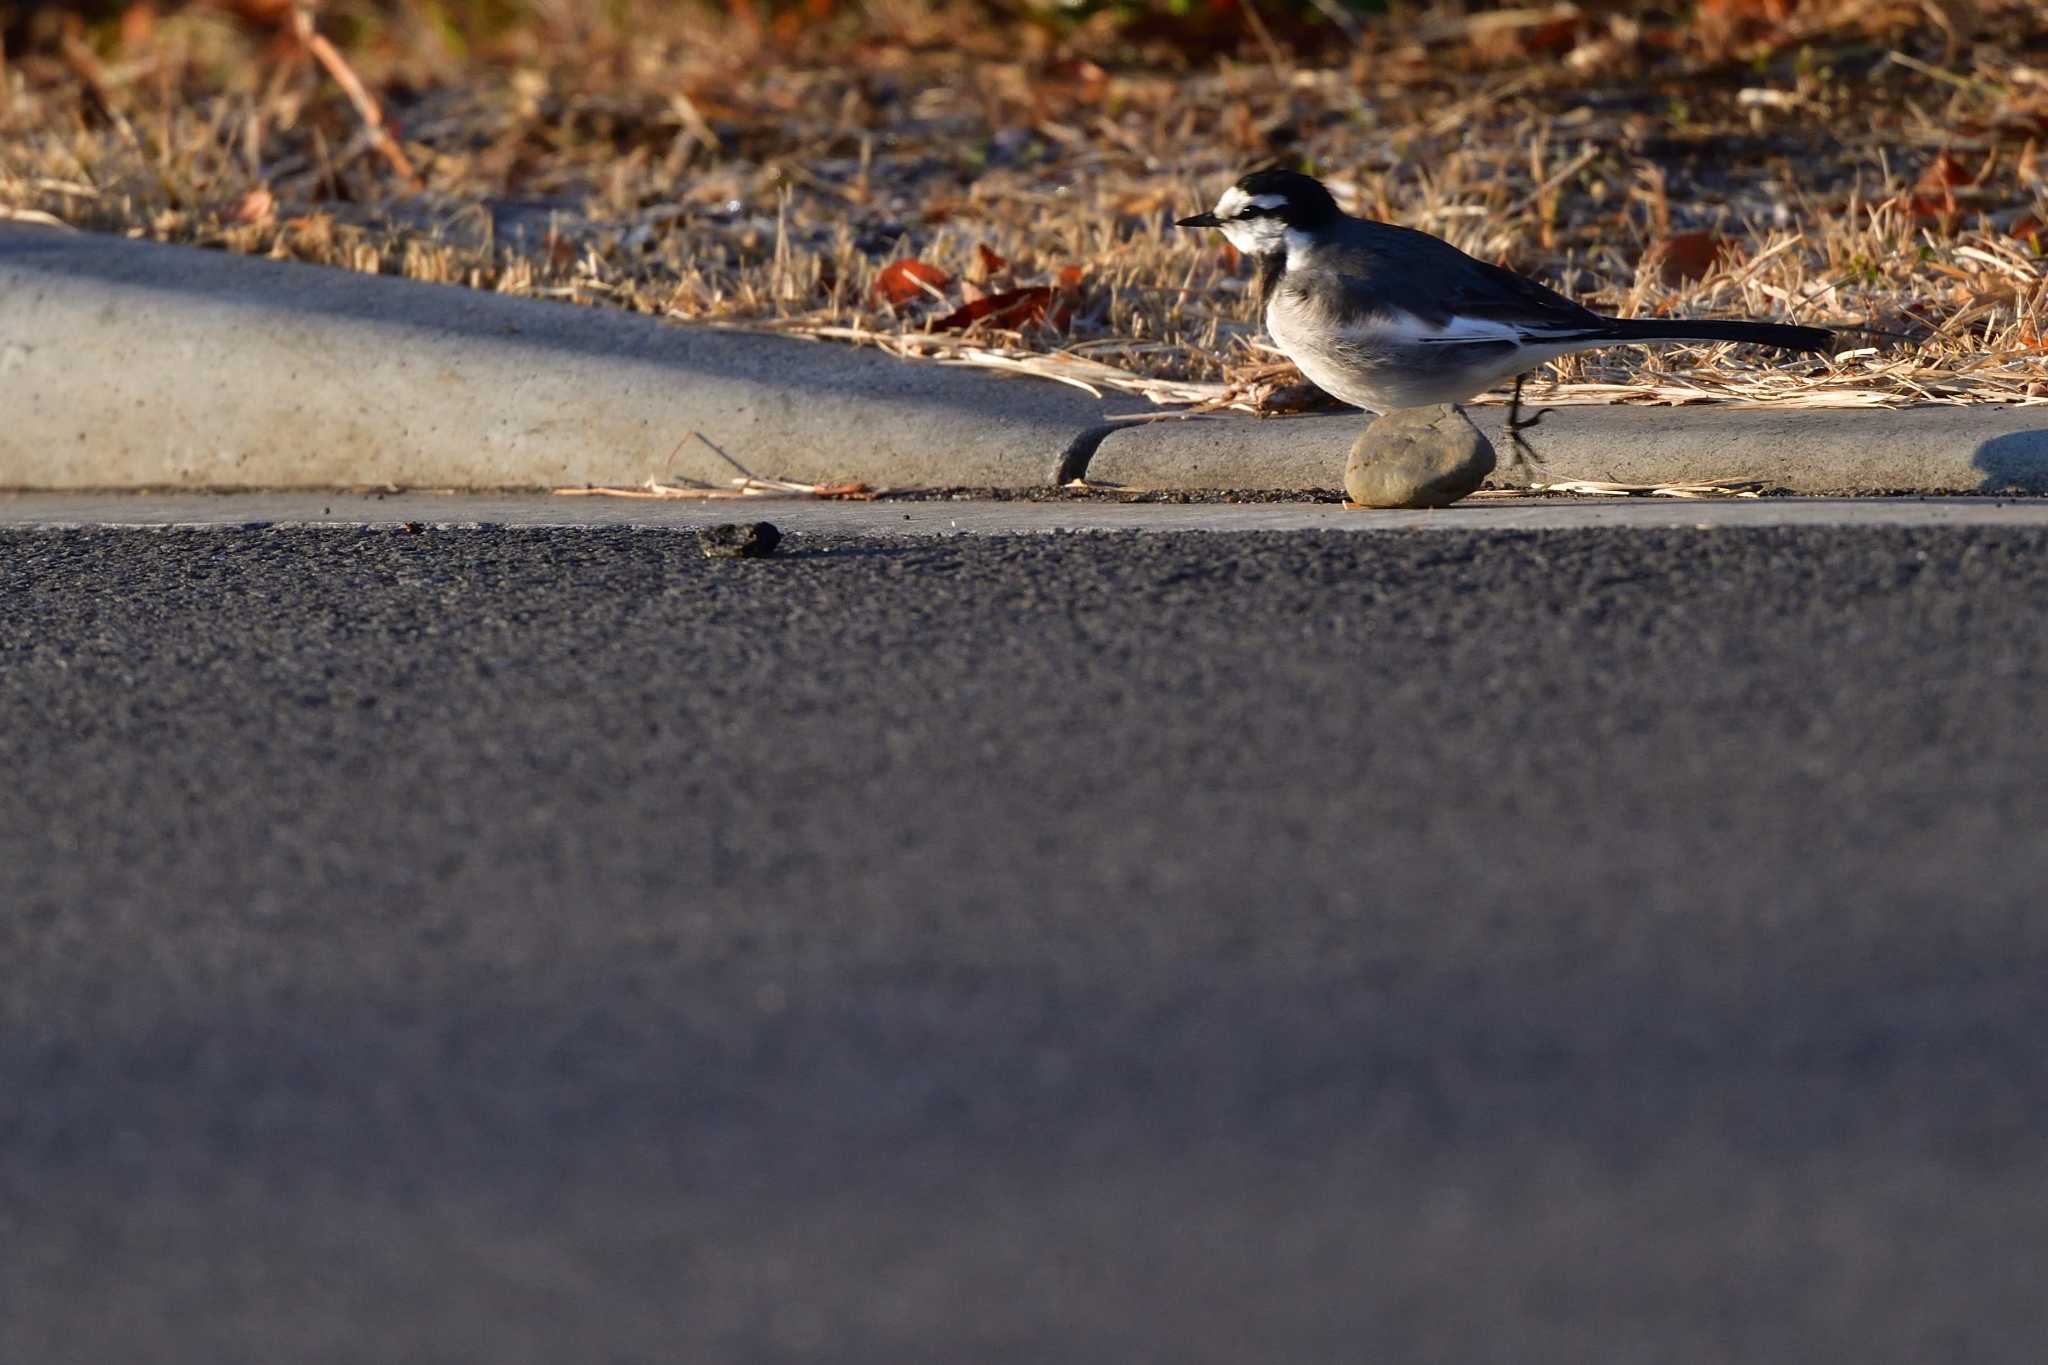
[(550, 945)]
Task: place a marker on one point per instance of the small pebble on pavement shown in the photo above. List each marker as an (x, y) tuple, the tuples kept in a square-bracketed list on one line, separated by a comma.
[(732, 541)]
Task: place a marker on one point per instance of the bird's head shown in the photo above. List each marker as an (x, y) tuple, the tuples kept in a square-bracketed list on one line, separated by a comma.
[(1257, 212)]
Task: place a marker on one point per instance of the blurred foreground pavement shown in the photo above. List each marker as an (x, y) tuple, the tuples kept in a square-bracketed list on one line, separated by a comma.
[(552, 945)]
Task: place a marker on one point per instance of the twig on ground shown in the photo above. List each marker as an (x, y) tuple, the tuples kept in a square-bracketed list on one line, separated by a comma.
[(1712, 488), (748, 487), (366, 104), (34, 216)]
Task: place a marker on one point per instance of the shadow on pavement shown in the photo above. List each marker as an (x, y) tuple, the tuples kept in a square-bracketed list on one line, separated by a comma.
[(2015, 463)]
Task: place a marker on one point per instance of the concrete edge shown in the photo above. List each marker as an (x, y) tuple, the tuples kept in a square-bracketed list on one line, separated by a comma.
[(411, 512), (1929, 449), (131, 365)]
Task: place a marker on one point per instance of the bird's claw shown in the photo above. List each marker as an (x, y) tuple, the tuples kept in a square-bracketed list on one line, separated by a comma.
[(1527, 463)]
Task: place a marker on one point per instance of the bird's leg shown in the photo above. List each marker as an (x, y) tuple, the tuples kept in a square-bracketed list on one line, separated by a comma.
[(1525, 456)]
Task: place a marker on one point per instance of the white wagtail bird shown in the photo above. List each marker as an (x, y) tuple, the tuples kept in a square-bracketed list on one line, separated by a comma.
[(1386, 317)]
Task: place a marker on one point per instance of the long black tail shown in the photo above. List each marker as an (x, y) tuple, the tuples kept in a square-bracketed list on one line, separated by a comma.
[(1818, 340)]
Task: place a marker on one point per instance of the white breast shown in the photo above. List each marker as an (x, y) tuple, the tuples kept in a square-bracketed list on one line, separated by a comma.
[(1349, 364), (1399, 361), (1303, 340)]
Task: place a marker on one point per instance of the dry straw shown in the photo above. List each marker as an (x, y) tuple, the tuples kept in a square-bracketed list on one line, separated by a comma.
[(1900, 199)]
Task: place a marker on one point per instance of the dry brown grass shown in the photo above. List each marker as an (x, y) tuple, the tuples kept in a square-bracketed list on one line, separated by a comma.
[(1884, 175)]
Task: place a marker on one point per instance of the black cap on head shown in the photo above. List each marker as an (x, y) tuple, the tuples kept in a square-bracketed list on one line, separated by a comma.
[(1306, 202)]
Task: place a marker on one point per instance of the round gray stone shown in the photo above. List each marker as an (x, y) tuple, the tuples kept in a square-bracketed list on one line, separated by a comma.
[(1418, 457)]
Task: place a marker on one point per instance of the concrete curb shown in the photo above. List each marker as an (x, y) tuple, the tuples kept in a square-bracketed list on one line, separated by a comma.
[(1823, 451), (130, 364), (942, 517)]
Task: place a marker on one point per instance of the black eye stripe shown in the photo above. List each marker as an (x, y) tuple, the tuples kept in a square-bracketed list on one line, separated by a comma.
[(1254, 211)]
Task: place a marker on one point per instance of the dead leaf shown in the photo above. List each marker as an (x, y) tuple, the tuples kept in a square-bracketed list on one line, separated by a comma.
[(991, 263), (1723, 21), (1692, 256), (1944, 187), (1014, 308), (257, 206), (907, 281), (1944, 173), (313, 232), (1508, 34), (2018, 117), (262, 13), (138, 26), (1770, 11), (1068, 284), (1927, 207), (946, 210), (1082, 79)]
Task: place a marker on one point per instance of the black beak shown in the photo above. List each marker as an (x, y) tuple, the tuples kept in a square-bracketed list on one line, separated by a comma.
[(1201, 220)]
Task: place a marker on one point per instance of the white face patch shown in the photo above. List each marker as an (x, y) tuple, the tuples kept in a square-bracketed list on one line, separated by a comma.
[(1236, 201), (1258, 235)]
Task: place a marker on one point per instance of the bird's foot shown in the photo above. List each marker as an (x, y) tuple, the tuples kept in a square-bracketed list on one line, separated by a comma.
[(1527, 463)]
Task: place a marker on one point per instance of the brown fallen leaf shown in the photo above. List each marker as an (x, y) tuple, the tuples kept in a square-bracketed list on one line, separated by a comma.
[(1771, 11), (1068, 285), (257, 206), (263, 13), (942, 210), (1721, 22), (2017, 117), (1945, 172), (138, 26), (312, 232), (1690, 256), (910, 280), (1936, 194), (1078, 78), (1511, 34), (1012, 308)]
